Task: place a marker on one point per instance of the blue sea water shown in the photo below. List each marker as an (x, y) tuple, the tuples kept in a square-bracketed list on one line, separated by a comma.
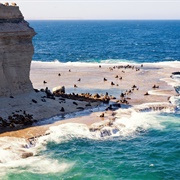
[(97, 41), (147, 144)]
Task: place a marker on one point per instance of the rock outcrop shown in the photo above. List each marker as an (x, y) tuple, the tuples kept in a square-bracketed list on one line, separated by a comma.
[(16, 51)]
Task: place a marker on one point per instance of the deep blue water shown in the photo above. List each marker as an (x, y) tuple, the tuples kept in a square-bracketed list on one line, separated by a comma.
[(94, 41)]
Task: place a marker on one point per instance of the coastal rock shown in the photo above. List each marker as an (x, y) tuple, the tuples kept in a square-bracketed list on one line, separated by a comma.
[(27, 154), (16, 51)]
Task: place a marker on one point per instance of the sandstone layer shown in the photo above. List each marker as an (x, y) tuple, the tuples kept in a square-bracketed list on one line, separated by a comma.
[(16, 51)]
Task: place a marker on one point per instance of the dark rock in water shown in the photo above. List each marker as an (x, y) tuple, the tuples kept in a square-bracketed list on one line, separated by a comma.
[(11, 97), (59, 74), (43, 100), (177, 89), (44, 82), (34, 101), (105, 79), (105, 133), (115, 131), (79, 79), (26, 155), (140, 130)]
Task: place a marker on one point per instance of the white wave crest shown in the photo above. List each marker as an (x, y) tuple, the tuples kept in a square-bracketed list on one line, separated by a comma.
[(12, 149), (35, 165), (129, 125), (176, 101), (17, 156), (65, 132)]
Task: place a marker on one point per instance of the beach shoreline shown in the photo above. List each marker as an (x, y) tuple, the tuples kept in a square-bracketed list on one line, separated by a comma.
[(124, 76)]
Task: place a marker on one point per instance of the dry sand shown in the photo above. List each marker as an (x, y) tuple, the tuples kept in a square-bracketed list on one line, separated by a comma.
[(91, 81)]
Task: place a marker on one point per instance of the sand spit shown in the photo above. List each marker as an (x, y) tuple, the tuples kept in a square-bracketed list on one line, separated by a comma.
[(131, 79), (126, 85)]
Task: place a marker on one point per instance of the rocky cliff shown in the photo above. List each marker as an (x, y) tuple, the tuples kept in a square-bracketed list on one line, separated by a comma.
[(16, 51)]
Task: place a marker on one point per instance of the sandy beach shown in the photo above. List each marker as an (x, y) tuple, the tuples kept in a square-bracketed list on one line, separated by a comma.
[(136, 81)]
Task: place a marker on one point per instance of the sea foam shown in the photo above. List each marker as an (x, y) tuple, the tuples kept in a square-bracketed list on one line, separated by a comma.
[(11, 159), (131, 125)]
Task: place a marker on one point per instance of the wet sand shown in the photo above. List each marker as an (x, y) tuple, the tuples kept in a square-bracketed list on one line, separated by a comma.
[(91, 81)]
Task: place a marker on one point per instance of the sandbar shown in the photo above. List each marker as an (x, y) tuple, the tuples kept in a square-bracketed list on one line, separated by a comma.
[(135, 80)]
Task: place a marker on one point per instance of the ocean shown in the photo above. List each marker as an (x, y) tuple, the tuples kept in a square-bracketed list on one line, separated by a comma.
[(144, 146), (104, 41)]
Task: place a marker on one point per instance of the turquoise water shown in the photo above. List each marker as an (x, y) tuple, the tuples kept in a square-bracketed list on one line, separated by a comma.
[(146, 148)]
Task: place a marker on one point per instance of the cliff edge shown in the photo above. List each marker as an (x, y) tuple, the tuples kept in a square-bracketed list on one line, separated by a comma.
[(16, 51)]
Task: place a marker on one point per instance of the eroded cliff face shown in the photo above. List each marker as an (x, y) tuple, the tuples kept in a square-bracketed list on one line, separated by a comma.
[(16, 51)]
